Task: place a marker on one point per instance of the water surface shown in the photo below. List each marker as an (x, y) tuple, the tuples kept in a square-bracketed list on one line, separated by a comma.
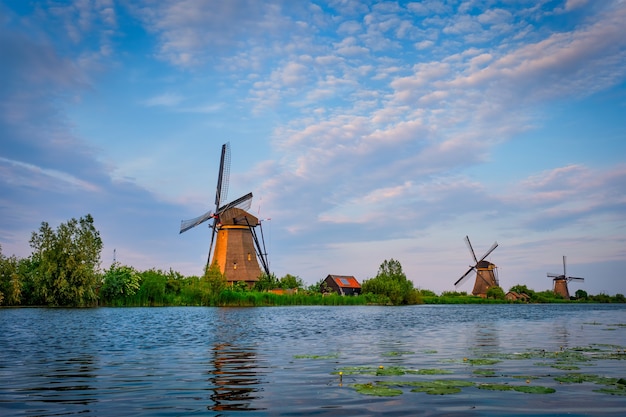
[(284, 360)]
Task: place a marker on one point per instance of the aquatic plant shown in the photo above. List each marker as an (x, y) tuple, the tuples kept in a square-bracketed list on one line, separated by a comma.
[(376, 390), (397, 353), (329, 356)]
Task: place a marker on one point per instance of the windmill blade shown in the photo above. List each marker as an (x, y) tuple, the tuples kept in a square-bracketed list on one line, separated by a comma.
[(550, 275), (471, 249), (223, 178), (491, 249), (243, 203), (191, 223), (458, 282), (213, 231), (564, 270), (575, 279)]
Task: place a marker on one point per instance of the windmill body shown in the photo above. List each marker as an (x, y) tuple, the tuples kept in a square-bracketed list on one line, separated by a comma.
[(561, 280), (486, 272), (237, 247), (235, 251)]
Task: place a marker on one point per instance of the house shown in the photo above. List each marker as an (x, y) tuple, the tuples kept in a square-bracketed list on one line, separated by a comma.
[(343, 284), (514, 296)]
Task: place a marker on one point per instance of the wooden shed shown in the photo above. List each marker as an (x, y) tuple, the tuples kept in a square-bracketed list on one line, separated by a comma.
[(343, 284), (514, 296)]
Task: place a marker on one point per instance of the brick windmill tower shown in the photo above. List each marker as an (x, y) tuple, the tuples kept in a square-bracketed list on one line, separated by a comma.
[(560, 281), (238, 248), (486, 272)]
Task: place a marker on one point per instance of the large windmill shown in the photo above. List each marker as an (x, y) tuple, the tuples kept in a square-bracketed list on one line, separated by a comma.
[(238, 248), (486, 272), (560, 281)]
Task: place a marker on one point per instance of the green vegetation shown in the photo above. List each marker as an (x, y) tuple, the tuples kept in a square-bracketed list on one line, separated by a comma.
[(391, 286), (64, 270)]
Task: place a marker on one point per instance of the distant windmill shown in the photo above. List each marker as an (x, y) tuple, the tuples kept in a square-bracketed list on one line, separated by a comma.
[(238, 248), (560, 281), (486, 272)]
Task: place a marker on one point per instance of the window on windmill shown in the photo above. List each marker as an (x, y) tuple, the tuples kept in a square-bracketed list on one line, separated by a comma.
[(235, 265), (249, 257)]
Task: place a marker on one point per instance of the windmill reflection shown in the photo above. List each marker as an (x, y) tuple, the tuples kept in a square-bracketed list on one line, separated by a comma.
[(235, 379)]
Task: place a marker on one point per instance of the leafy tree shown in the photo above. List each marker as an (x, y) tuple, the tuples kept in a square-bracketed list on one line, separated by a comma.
[(10, 280), (427, 293), (496, 293), (119, 281), (319, 287), (291, 281), (152, 288), (619, 298), (214, 281), (391, 282), (266, 282), (581, 294), (66, 262)]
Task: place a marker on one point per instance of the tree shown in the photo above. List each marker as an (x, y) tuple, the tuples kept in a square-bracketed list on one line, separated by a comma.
[(291, 281), (266, 282), (119, 281), (10, 280), (213, 280), (66, 262), (391, 282), (496, 293), (581, 294)]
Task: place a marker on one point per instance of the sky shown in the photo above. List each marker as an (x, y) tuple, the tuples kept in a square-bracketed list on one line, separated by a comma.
[(366, 131)]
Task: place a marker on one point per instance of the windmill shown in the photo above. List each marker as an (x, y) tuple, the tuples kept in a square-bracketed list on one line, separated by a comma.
[(560, 281), (238, 247), (486, 272)]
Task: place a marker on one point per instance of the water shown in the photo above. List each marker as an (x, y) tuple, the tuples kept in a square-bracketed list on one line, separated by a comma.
[(284, 360)]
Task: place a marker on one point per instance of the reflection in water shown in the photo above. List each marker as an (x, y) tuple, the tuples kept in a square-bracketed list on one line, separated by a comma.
[(65, 381), (484, 338), (235, 381)]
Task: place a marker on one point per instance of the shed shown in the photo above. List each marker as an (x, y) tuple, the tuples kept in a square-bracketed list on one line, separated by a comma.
[(514, 296), (343, 284)]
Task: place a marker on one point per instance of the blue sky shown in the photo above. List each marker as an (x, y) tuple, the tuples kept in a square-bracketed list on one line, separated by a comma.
[(366, 131)]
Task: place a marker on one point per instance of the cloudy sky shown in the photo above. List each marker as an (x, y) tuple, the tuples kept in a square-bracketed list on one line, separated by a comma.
[(366, 131)]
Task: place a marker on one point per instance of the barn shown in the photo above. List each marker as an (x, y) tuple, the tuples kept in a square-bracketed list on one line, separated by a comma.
[(343, 284)]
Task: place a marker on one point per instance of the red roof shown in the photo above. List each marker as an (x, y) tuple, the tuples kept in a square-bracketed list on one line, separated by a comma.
[(345, 281)]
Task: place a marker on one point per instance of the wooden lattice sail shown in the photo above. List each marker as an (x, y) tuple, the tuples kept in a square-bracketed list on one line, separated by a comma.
[(238, 250), (486, 272)]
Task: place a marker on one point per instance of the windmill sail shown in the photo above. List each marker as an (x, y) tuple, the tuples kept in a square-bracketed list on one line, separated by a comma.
[(191, 223)]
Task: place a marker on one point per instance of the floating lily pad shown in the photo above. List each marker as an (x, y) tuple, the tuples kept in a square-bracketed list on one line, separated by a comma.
[(484, 372), (618, 390), (483, 361), (534, 389), (391, 370), (437, 390), (430, 372), (400, 353), (577, 378), (496, 387), (331, 356), (429, 351), (377, 390), (565, 367), (357, 370)]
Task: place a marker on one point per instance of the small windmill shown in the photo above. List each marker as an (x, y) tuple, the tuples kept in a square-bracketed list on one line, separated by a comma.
[(486, 272), (560, 281), (238, 247)]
